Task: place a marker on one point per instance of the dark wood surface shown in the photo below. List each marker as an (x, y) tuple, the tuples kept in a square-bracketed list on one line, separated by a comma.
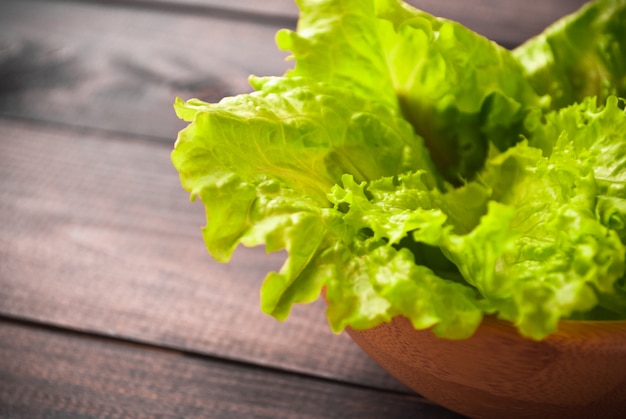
[(109, 304)]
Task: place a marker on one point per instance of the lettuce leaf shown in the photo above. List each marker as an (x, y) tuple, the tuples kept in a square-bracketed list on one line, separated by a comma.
[(581, 55), (459, 90), (596, 137), (263, 164), (540, 254), (387, 225), (409, 166)]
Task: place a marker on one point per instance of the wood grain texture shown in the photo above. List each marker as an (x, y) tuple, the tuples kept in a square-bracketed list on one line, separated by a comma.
[(577, 372), (271, 8), (96, 234), (49, 373), (119, 68)]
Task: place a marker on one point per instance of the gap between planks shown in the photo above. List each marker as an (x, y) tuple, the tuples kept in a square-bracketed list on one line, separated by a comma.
[(274, 16), (28, 385), (172, 350)]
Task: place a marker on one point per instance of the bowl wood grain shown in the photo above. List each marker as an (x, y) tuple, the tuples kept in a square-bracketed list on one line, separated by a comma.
[(578, 372)]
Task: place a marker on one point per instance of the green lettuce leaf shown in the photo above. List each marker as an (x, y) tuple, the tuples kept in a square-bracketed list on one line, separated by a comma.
[(540, 254), (459, 90), (408, 167), (263, 164), (596, 137), (596, 134), (382, 224), (581, 55)]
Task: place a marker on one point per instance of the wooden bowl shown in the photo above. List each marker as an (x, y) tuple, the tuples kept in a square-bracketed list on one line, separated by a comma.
[(579, 372)]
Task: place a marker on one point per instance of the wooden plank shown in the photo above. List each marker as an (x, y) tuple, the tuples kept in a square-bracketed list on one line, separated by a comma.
[(96, 234), (119, 68), (46, 373), (282, 9)]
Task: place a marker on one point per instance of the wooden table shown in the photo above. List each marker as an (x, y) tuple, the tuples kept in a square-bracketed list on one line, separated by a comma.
[(109, 304)]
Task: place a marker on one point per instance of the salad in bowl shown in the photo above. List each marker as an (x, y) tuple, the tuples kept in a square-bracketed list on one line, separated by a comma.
[(413, 169)]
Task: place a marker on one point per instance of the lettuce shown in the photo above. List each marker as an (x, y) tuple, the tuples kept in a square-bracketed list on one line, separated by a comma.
[(580, 56), (446, 80), (409, 166)]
